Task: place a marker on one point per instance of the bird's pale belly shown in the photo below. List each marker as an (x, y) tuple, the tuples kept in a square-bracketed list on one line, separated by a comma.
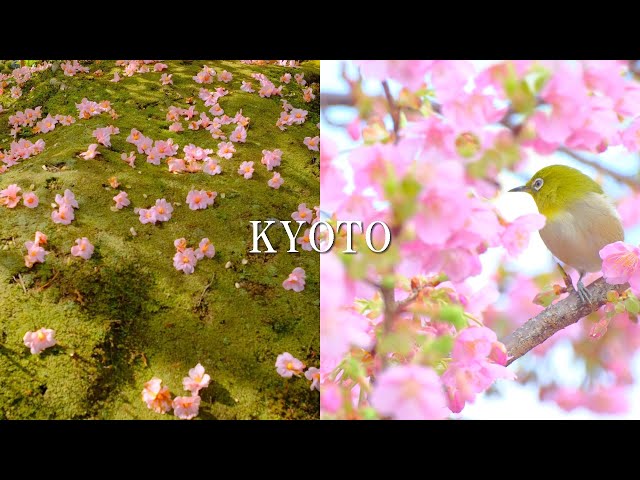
[(576, 236)]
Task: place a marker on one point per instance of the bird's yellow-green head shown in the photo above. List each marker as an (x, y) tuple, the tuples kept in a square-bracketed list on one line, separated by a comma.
[(556, 187)]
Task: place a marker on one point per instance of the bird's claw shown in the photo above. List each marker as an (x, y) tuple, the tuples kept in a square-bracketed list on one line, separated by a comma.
[(583, 293)]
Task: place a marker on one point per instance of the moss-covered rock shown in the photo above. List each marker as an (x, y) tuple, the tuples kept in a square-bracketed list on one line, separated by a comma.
[(126, 315)]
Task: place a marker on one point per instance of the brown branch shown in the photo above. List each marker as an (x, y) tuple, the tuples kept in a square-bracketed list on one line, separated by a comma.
[(333, 99), (632, 182), (556, 317), (393, 110)]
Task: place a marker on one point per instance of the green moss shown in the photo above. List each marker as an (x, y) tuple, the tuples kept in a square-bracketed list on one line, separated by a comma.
[(127, 315)]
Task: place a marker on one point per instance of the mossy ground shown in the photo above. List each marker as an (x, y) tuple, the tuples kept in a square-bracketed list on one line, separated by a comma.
[(126, 315)]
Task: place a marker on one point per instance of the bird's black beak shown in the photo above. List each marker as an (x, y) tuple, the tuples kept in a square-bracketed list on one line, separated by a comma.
[(523, 188)]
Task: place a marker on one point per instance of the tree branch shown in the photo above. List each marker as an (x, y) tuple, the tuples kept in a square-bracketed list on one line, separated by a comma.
[(556, 317), (333, 99), (393, 110)]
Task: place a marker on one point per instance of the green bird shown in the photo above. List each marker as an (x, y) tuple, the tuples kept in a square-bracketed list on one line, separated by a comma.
[(581, 218)]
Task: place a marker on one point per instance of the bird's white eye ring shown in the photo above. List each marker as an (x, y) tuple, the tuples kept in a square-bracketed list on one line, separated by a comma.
[(537, 184)]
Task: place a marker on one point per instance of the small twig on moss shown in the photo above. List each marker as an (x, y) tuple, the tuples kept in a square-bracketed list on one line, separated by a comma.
[(20, 282), (55, 275)]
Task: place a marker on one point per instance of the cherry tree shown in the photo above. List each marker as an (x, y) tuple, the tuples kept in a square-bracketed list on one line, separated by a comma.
[(406, 334)]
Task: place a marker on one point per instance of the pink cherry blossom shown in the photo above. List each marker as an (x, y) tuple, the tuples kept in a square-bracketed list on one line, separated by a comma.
[(197, 199), (91, 152), (239, 135), (303, 214), (246, 170), (515, 237), (271, 158), (287, 365), (83, 248), (10, 196), (163, 210), (39, 340), (180, 244), (296, 280), (176, 127), (247, 87), (186, 408), (225, 76), (621, 264), (67, 199), (226, 150), (47, 124), (35, 253), (156, 396), (478, 359), (312, 143), (197, 380), (313, 374), (30, 200), (276, 181), (148, 215), (410, 73), (185, 260), (305, 241), (64, 215), (205, 249), (286, 78), (122, 200), (40, 239), (409, 392), (166, 79), (130, 159), (212, 167)]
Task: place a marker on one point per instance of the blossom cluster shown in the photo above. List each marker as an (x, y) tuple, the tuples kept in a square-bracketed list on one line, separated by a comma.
[(158, 397), (186, 258)]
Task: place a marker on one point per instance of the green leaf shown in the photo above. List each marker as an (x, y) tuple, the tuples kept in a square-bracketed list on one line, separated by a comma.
[(440, 347), (545, 298), (369, 413), (396, 342), (453, 314), (632, 305), (353, 369)]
